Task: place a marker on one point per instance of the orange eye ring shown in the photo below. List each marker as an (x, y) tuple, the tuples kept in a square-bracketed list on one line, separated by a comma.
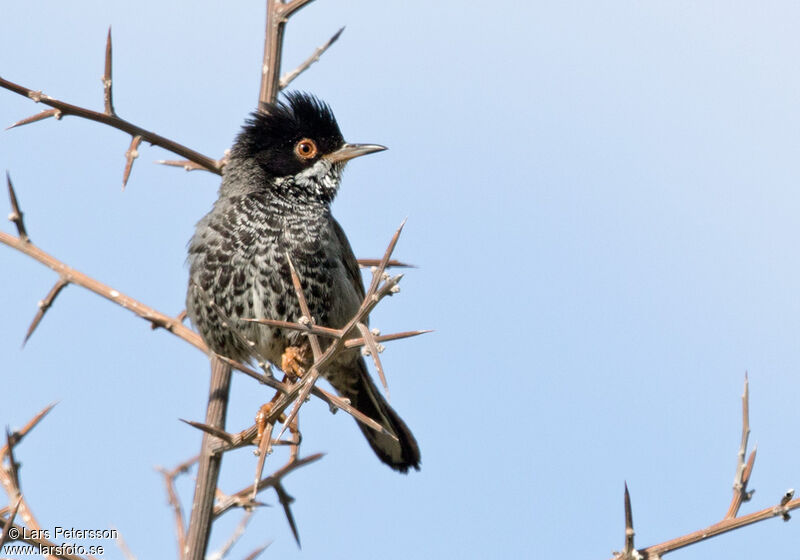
[(305, 149)]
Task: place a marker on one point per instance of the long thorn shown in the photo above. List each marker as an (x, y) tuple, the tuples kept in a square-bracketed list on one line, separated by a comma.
[(16, 214), (372, 346), (32, 423), (286, 501), (366, 263), (44, 305), (257, 552), (378, 274), (629, 533), (108, 99), (37, 117), (216, 432), (130, 155), (356, 342), (9, 522)]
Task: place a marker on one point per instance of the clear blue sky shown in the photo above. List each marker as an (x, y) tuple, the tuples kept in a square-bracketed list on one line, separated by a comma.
[(603, 202)]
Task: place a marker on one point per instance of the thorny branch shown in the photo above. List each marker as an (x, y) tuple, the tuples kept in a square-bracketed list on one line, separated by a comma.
[(37, 542), (9, 479), (170, 476), (173, 325), (232, 540), (730, 522), (62, 109), (743, 470), (109, 117), (278, 13), (289, 77), (68, 275), (242, 497), (381, 286), (286, 392), (4, 536), (124, 548)]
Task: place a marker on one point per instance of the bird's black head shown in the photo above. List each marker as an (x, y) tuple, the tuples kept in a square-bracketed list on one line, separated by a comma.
[(298, 147)]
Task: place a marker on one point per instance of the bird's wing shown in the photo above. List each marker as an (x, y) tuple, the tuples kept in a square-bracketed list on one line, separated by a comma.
[(349, 259)]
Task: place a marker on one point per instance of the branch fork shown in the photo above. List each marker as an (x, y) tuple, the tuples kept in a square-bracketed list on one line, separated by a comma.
[(731, 521)]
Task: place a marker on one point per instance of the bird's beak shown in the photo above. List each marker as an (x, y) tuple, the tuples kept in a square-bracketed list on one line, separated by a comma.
[(350, 151)]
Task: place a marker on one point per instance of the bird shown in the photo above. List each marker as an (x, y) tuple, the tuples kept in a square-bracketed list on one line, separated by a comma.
[(274, 204)]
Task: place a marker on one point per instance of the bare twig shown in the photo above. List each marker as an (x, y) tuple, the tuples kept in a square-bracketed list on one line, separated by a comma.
[(730, 522), (780, 510), (9, 476), (65, 109), (124, 548), (655, 552), (78, 278), (172, 497), (743, 470), (186, 164), (278, 13), (246, 436), (289, 77), (243, 496), (40, 543), (233, 539), (68, 275)]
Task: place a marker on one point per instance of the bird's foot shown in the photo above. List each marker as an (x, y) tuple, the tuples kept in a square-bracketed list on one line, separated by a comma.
[(295, 361)]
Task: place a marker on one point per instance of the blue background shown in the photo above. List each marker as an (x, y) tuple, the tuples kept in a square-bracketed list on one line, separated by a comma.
[(603, 202)]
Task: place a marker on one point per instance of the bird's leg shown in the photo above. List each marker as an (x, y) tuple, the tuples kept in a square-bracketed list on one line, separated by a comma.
[(294, 363), (263, 414), (295, 360)]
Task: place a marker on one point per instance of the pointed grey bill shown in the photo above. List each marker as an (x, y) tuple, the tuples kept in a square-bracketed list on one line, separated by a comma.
[(350, 151)]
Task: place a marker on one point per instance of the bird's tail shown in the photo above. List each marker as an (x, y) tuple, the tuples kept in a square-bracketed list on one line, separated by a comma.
[(400, 454)]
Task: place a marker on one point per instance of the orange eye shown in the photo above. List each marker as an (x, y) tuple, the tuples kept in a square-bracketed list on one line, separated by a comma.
[(305, 148)]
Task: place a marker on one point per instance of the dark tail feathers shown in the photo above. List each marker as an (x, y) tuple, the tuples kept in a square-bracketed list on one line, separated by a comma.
[(364, 395)]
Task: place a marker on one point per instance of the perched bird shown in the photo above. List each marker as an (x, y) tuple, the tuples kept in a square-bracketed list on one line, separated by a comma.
[(282, 175)]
